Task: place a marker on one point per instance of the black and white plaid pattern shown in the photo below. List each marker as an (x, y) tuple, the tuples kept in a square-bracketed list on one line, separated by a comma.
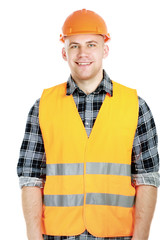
[(88, 105), (145, 160), (84, 236)]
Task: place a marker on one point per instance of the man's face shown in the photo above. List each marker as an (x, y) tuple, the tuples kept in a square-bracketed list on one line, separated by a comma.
[(85, 54)]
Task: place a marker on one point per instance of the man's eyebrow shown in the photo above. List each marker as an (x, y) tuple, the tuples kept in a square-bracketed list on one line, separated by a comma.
[(91, 41), (73, 43)]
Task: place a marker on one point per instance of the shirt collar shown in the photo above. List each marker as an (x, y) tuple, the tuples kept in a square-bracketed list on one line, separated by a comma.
[(105, 85)]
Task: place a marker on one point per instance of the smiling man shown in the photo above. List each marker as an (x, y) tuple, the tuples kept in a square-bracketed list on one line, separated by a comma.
[(88, 164)]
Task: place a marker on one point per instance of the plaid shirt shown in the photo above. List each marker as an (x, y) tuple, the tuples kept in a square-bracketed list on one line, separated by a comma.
[(31, 167)]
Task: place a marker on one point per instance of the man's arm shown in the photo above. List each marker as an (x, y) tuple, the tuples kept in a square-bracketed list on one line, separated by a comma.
[(145, 167), (32, 209), (31, 169), (146, 197)]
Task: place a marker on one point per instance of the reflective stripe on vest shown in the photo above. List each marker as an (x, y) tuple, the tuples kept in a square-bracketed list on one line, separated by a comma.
[(108, 168), (65, 169), (91, 198), (91, 168), (110, 199), (64, 200)]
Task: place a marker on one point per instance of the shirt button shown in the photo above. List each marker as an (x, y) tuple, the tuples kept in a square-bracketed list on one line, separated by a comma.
[(87, 123)]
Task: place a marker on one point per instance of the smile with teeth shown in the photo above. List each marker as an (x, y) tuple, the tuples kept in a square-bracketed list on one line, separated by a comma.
[(83, 63)]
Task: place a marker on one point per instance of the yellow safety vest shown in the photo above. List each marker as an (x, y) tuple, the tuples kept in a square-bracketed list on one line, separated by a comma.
[(88, 180)]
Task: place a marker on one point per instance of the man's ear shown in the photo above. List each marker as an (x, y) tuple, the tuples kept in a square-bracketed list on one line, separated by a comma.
[(106, 51), (64, 55)]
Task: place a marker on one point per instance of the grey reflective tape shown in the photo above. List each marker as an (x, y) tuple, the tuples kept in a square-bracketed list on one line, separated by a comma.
[(108, 168), (110, 200), (64, 169), (64, 200)]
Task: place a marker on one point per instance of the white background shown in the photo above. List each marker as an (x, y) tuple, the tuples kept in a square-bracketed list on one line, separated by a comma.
[(30, 60)]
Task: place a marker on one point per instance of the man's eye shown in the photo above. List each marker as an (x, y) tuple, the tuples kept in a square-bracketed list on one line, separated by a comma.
[(74, 46), (91, 45)]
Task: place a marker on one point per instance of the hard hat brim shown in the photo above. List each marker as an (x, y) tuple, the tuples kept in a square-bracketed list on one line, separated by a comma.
[(106, 37)]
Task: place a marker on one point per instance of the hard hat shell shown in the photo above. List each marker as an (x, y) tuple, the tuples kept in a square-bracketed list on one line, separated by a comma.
[(84, 22)]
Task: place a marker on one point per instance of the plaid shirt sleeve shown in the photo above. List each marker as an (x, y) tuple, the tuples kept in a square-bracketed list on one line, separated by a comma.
[(31, 167), (145, 158)]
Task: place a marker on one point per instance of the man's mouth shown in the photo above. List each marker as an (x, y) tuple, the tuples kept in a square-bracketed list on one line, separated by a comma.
[(83, 63)]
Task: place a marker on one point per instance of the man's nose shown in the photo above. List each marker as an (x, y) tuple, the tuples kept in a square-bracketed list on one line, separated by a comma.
[(83, 51)]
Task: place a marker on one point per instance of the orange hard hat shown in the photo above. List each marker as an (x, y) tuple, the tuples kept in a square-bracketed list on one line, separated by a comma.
[(84, 22)]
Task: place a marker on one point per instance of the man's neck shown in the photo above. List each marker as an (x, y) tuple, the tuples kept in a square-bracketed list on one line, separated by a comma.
[(90, 85)]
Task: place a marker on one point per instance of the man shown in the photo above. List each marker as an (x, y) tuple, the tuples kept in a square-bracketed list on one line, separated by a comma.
[(98, 175)]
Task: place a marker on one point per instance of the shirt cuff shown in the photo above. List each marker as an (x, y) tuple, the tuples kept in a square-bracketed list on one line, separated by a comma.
[(31, 182), (152, 179)]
